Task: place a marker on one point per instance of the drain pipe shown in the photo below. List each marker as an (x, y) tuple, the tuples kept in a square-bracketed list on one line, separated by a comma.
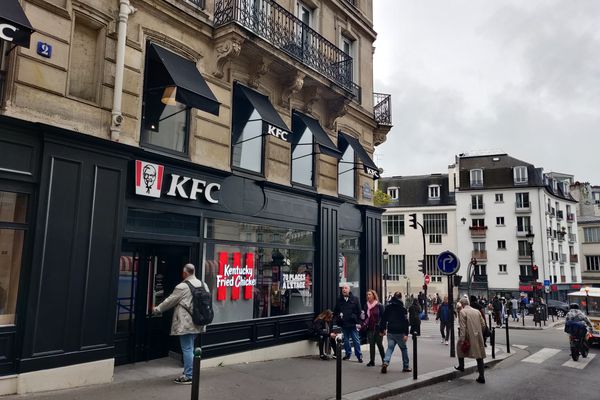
[(125, 9)]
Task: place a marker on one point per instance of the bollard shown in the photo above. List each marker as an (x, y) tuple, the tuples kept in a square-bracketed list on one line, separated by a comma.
[(414, 338), (523, 316), (338, 366), (507, 338), (196, 374), (490, 319), (493, 342)]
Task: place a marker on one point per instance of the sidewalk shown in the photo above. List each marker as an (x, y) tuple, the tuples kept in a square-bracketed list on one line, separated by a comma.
[(530, 325), (296, 378)]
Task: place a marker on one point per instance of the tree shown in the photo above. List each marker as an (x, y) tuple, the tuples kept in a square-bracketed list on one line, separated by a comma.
[(381, 199)]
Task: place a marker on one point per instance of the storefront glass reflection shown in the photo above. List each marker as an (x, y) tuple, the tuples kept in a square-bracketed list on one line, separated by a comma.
[(349, 263)]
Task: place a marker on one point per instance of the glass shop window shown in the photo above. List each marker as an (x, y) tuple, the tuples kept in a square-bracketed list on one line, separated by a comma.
[(247, 136), (346, 174), (13, 216), (349, 263), (302, 157)]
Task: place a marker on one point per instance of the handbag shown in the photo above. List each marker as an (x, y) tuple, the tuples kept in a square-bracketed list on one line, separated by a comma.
[(465, 346), (486, 332)]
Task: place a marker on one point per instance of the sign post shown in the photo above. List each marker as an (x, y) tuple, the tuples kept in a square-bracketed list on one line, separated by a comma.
[(449, 264)]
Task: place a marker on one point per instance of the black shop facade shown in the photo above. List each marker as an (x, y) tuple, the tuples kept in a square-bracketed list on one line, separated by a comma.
[(95, 233)]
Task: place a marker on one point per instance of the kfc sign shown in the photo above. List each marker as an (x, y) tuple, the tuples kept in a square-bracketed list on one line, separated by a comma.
[(235, 276), (373, 172), (275, 131), (149, 182), (7, 32)]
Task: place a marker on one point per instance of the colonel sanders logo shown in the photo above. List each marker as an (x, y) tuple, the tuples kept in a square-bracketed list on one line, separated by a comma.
[(148, 178)]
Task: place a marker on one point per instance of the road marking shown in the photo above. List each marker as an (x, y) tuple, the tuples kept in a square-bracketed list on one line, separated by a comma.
[(541, 356), (520, 346), (581, 364)]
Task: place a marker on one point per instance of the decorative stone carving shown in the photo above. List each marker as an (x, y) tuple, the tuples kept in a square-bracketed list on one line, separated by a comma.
[(336, 109), (260, 69), (226, 51), (292, 88), (313, 94), (379, 138)]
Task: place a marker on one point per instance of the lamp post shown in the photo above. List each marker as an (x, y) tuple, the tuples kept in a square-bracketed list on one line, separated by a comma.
[(530, 236), (587, 301), (385, 274)]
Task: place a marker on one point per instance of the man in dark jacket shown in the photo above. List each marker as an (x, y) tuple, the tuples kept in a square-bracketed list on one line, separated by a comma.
[(347, 312), (395, 322), (443, 315)]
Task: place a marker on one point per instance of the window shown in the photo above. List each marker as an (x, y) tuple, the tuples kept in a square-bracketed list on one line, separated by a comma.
[(502, 269), (477, 202), (302, 156), (526, 270), (396, 266), (480, 270), (591, 235), (476, 177), (523, 224), (13, 219), (435, 223), (499, 198), (478, 222), (349, 262), (279, 274), (479, 246), (349, 47), (393, 227), (592, 263), (304, 13), (501, 244), (346, 172), (500, 221), (393, 193), (434, 192), (87, 57), (431, 264), (524, 250), (435, 239), (596, 196), (520, 175), (522, 200)]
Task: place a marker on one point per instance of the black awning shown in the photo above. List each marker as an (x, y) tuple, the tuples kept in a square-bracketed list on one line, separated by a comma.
[(368, 164), (326, 146), (192, 89), (16, 28), (267, 112)]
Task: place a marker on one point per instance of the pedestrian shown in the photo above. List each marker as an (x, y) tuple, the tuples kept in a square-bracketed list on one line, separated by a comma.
[(514, 309), (347, 311), (443, 315), (182, 324), (395, 323), (486, 331), (497, 309), (374, 311), (470, 338), (414, 318), (322, 329)]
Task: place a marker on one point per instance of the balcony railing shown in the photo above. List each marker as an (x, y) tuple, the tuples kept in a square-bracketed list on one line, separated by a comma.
[(523, 206), (573, 258), (382, 108), (526, 278), (479, 254), (283, 30), (478, 231)]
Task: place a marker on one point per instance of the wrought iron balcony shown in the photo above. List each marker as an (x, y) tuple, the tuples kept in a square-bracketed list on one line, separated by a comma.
[(353, 2), (478, 231), (382, 108), (284, 31), (479, 254)]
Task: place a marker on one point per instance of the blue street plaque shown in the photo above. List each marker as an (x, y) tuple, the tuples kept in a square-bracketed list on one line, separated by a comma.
[(448, 263), (44, 49), (546, 282)]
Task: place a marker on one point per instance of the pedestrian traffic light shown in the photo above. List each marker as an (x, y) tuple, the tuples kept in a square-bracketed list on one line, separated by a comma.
[(413, 221), (420, 266), (424, 287), (456, 280), (536, 273)]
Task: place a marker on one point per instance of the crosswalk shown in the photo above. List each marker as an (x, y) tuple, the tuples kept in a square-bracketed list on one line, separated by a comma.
[(546, 355)]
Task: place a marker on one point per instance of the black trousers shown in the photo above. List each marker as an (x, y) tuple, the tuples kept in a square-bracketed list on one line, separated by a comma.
[(326, 344), (480, 365), (445, 329)]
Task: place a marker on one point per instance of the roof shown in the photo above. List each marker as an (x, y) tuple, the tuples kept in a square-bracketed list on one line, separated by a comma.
[(490, 161), (413, 191), (584, 220)]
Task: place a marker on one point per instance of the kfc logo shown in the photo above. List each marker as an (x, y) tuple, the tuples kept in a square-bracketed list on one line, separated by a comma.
[(148, 179)]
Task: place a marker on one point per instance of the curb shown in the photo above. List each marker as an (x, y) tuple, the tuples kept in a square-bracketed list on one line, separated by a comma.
[(549, 325), (430, 378)]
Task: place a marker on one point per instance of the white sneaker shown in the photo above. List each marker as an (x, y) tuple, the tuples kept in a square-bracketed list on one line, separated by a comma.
[(446, 342), (442, 340)]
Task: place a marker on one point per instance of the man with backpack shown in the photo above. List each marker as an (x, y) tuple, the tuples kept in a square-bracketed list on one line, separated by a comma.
[(193, 311)]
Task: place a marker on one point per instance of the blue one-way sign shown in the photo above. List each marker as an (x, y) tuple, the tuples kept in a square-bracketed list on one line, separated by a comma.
[(448, 263)]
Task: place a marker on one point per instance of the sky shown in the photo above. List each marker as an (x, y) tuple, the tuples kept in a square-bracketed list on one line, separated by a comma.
[(467, 76)]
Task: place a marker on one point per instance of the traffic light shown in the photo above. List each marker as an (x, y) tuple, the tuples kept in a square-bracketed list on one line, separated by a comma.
[(420, 266), (424, 287), (413, 221), (536, 273), (456, 280)]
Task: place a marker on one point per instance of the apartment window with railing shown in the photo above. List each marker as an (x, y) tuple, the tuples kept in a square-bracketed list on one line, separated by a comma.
[(592, 263), (520, 175), (393, 228), (476, 177), (591, 235), (477, 202), (523, 224), (524, 250), (480, 270), (479, 246), (526, 270), (522, 200), (477, 223), (396, 266), (350, 48)]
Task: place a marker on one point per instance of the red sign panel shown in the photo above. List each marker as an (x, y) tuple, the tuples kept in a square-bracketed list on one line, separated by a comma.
[(427, 279), (525, 288), (576, 286)]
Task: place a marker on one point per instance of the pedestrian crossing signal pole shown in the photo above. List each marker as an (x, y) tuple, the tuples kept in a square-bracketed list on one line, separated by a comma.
[(451, 309)]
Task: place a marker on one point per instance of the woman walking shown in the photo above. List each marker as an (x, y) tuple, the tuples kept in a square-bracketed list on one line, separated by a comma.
[(470, 338), (414, 319), (322, 329), (374, 312)]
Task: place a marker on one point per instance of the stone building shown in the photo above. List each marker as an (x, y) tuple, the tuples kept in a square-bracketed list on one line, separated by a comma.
[(588, 217), (137, 135)]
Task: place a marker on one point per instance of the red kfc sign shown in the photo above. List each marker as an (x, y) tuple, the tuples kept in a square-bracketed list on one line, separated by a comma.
[(235, 275)]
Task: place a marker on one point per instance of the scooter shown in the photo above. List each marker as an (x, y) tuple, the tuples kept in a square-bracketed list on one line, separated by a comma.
[(579, 345)]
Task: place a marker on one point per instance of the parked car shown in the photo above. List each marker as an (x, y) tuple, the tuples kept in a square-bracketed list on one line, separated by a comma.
[(555, 307)]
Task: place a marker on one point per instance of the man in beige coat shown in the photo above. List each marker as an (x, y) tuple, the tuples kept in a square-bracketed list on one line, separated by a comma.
[(470, 327), (182, 324)]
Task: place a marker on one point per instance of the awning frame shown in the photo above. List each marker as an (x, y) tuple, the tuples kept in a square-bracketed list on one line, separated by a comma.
[(369, 166)]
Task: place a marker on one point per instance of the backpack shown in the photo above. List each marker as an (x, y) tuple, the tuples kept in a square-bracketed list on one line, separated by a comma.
[(202, 311)]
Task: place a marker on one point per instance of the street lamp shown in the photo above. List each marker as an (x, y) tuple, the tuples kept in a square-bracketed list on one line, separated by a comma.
[(587, 300), (385, 273), (530, 236)]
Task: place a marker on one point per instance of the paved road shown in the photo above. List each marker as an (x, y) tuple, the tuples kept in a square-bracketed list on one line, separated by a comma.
[(541, 369)]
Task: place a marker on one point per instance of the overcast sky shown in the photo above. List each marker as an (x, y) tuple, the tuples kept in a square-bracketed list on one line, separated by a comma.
[(517, 76)]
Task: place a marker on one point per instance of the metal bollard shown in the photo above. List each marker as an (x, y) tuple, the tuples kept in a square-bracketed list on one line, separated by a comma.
[(196, 374), (490, 319), (414, 338), (523, 316), (493, 342), (338, 366), (507, 338)]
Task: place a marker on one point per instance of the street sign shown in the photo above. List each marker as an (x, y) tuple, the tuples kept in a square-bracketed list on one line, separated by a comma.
[(448, 263), (427, 279), (546, 282)]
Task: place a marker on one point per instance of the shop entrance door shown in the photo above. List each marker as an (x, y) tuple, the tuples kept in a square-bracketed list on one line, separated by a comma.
[(148, 273)]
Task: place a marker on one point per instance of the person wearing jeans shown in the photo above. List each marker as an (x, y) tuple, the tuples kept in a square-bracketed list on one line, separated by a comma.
[(187, 348), (443, 315), (395, 322), (348, 312)]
